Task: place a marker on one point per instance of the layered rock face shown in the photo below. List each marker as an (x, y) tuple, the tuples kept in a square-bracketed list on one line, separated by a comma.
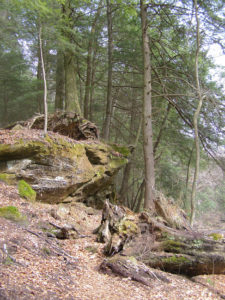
[(58, 168)]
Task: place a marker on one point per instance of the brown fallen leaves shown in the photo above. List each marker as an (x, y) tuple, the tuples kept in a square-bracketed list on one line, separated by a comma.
[(38, 272)]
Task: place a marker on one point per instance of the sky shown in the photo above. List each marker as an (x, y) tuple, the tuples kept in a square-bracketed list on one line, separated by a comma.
[(216, 52)]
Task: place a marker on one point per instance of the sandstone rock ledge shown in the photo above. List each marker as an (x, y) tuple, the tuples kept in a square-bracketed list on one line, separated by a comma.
[(58, 168)]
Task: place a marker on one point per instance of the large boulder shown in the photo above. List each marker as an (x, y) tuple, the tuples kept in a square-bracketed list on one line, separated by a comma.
[(59, 168)]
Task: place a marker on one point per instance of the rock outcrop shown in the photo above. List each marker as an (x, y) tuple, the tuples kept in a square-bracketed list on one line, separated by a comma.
[(59, 168)]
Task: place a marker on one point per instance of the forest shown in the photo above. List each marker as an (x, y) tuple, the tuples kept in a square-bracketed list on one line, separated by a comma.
[(112, 149), (141, 71)]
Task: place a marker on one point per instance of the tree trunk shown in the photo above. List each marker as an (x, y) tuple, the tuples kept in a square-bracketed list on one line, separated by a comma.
[(196, 115), (126, 174), (5, 106), (107, 122), (45, 82), (90, 63), (60, 78), (147, 114), (71, 92), (39, 82), (158, 139)]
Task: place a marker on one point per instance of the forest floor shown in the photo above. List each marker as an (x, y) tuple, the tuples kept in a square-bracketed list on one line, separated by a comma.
[(34, 266)]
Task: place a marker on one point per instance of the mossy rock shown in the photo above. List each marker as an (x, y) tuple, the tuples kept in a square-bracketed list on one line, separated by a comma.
[(11, 213), (26, 191)]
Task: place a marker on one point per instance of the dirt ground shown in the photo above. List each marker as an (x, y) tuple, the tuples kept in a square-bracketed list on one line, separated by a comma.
[(35, 265)]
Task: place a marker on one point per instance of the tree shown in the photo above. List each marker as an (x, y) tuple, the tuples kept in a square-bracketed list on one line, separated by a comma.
[(71, 91), (147, 113), (45, 82), (107, 122)]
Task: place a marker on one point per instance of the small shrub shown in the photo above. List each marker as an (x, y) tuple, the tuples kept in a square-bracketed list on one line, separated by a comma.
[(26, 191)]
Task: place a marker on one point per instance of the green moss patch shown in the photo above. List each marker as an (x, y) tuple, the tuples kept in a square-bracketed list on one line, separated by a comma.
[(121, 149), (216, 236), (26, 191), (172, 246), (8, 178), (127, 227), (177, 260), (91, 249), (11, 213)]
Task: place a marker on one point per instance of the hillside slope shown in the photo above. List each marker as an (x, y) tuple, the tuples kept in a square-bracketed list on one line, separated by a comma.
[(36, 265)]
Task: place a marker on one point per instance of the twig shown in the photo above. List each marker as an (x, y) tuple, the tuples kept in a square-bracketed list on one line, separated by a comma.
[(55, 249)]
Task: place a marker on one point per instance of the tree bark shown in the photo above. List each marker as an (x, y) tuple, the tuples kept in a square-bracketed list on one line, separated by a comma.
[(90, 63), (107, 122), (39, 81), (147, 114), (196, 115), (71, 92), (45, 82), (60, 78)]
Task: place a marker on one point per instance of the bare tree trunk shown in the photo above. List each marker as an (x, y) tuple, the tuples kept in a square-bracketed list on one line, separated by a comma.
[(107, 122), (90, 63), (92, 91), (39, 81), (187, 177), (45, 82), (147, 114), (156, 144), (5, 106), (196, 115), (139, 199), (71, 93), (126, 174), (60, 78)]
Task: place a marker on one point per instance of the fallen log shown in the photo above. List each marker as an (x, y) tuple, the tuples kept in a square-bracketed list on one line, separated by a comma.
[(129, 267), (163, 242)]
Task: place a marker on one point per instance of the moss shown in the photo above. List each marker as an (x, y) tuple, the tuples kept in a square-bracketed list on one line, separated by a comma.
[(26, 191), (99, 171), (172, 246), (8, 261), (198, 243), (133, 260), (216, 236), (175, 260), (127, 227), (117, 162), (91, 249), (46, 251), (121, 149), (7, 178), (20, 149), (11, 213)]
